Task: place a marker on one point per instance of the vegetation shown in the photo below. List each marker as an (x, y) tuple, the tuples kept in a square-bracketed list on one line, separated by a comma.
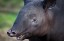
[(6, 19), (8, 11)]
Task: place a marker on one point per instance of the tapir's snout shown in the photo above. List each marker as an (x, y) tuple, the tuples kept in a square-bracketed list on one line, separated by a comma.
[(15, 34), (19, 36), (12, 33)]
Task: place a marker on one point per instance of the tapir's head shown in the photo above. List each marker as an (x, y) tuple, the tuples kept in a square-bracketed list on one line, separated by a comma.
[(31, 20)]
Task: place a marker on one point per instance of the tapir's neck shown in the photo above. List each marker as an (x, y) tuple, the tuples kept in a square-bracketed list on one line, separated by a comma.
[(60, 4)]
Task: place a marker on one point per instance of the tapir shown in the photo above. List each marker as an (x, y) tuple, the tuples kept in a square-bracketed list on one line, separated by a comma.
[(40, 20)]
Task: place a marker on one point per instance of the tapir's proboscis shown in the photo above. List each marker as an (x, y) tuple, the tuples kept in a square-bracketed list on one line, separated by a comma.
[(40, 19)]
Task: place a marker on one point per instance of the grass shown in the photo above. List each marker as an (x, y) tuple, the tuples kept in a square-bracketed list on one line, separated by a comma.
[(7, 19)]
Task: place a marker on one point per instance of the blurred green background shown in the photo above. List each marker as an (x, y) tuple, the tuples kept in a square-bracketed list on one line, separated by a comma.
[(8, 13)]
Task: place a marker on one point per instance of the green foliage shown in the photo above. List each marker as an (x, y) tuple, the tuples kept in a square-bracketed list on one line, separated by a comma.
[(7, 9), (5, 3), (7, 19)]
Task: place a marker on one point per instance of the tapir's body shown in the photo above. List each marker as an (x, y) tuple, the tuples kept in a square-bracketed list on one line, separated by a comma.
[(40, 20)]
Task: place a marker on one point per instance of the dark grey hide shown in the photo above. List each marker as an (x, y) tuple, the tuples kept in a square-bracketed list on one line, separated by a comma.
[(57, 32), (40, 20)]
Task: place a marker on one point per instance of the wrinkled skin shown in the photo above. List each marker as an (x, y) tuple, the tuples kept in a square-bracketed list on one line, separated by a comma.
[(35, 20)]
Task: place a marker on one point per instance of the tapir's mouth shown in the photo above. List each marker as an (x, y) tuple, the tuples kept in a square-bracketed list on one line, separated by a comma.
[(21, 37)]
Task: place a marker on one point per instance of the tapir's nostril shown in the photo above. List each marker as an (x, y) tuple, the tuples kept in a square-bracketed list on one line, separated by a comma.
[(13, 33), (8, 33)]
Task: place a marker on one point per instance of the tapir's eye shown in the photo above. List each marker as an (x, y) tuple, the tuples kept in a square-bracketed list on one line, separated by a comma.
[(34, 20)]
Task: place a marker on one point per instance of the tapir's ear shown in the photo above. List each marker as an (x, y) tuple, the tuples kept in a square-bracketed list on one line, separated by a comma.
[(48, 3)]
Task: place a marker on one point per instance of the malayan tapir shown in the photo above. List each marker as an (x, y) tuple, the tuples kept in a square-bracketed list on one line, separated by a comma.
[(40, 20)]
